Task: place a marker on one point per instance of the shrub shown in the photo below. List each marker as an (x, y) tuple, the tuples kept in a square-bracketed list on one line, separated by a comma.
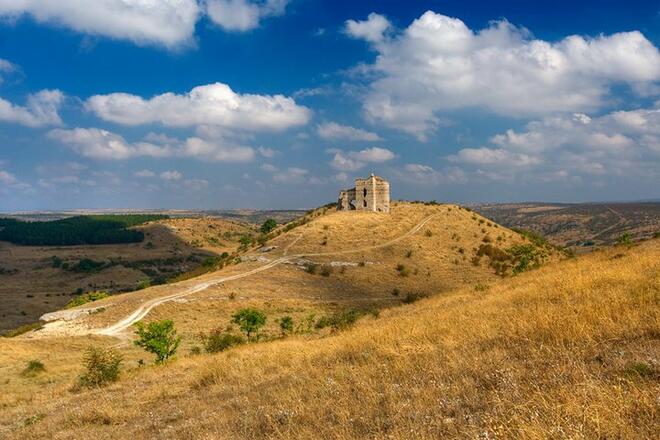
[(246, 241), (159, 338), (56, 261), (396, 292), (86, 298), (87, 265), (249, 320), (339, 321), (310, 268), (326, 270), (625, 239), (480, 287), (101, 367), (286, 324), (428, 233), (409, 253), (143, 284), (268, 226), (218, 340), (403, 270), (487, 239), (532, 236), (35, 366), (525, 257), (412, 297)]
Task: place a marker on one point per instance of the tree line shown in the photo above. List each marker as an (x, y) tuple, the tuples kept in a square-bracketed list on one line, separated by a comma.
[(89, 229)]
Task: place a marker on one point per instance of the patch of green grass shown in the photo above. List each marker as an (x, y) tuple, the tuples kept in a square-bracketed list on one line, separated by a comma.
[(86, 298)]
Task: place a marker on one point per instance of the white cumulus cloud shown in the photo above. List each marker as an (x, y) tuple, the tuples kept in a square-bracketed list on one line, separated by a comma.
[(101, 144), (332, 130), (169, 23), (42, 108), (356, 160), (242, 15), (214, 104), (439, 64), (372, 29), (622, 143)]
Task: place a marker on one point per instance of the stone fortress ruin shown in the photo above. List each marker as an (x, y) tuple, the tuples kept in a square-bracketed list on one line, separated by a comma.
[(370, 194)]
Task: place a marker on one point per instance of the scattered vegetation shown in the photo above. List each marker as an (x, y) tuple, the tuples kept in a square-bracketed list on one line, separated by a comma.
[(341, 320), (86, 298), (22, 330), (159, 338)]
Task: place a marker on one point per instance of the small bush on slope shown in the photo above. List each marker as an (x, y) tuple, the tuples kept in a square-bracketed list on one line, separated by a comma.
[(101, 367), (219, 340), (159, 338)]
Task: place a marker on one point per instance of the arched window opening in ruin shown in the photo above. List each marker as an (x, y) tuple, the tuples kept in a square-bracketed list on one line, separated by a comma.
[(365, 202), (365, 194)]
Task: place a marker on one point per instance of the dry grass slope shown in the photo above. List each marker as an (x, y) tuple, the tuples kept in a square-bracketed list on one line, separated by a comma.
[(568, 351)]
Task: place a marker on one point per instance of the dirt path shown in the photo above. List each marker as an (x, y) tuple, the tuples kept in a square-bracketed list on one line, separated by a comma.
[(143, 310)]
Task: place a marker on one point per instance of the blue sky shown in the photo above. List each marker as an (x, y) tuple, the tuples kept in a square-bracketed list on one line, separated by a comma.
[(278, 104)]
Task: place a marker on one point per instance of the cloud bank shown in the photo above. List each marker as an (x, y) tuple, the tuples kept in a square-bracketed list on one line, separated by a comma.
[(439, 64)]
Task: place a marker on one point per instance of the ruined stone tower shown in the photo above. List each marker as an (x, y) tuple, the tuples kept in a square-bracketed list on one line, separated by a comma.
[(370, 194)]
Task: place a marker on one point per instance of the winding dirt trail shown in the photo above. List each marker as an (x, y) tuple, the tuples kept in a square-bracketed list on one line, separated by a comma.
[(144, 309)]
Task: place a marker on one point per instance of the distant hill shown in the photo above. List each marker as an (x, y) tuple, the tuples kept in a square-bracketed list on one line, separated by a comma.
[(582, 226)]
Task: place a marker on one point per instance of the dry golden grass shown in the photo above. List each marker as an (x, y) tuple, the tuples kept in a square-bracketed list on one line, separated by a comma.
[(567, 351)]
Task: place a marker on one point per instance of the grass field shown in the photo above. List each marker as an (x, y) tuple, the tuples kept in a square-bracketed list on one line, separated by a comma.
[(566, 351)]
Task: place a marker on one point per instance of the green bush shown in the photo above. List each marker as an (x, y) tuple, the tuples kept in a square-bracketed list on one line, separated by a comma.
[(87, 265), (86, 298), (625, 239), (532, 236), (403, 270), (339, 321), (56, 262), (35, 366), (218, 340), (525, 257), (268, 226), (101, 367), (159, 338), (286, 324), (249, 320)]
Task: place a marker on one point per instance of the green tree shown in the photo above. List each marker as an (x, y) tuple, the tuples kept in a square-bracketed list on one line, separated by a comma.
[(249, 320), (268, 226), (159, 338), (286, 324)]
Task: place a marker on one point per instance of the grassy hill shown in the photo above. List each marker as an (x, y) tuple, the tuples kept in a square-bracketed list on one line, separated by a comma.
[(568, 350)]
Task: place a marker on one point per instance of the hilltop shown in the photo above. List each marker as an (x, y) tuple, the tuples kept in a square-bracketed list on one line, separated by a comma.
[(568, 350)]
